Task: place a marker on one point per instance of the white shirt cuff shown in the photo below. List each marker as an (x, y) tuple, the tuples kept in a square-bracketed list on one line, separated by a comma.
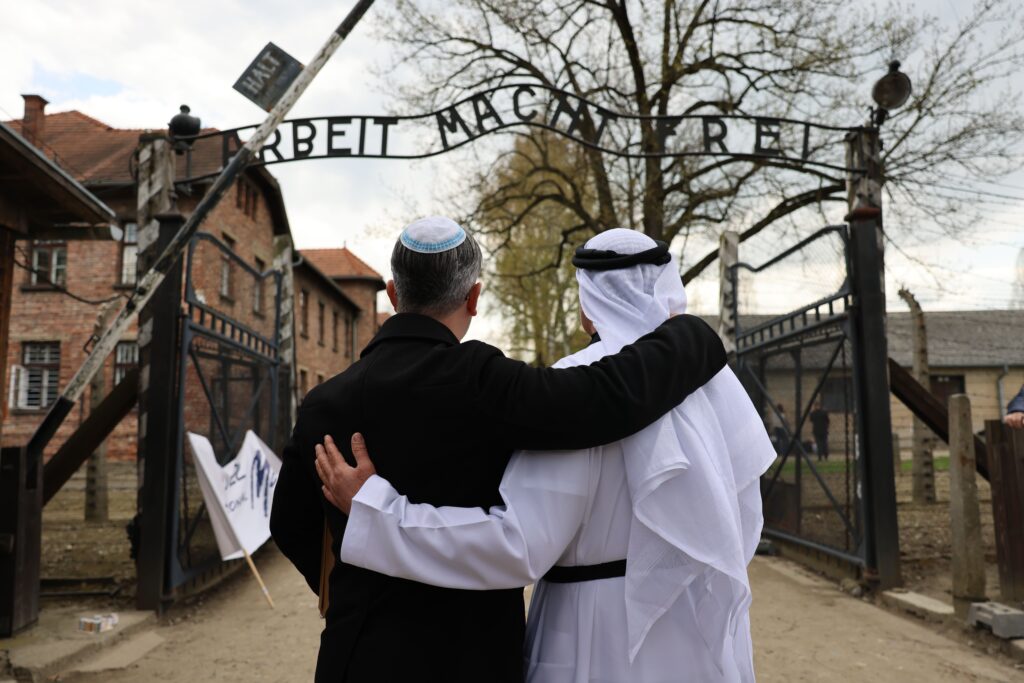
[(373, 495)]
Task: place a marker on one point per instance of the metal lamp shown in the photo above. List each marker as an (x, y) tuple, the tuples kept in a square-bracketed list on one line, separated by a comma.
[(890, 92), (182, 127)]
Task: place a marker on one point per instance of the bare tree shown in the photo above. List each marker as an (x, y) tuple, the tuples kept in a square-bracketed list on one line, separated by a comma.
[(803, 59), (538, 302)]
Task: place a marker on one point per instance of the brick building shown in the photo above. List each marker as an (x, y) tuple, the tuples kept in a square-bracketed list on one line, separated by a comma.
[(325, 327), (49, 329), (358, 281), (38, 199)]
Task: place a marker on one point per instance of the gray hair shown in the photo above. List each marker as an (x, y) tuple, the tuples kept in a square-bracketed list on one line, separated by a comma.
[(434, 284)]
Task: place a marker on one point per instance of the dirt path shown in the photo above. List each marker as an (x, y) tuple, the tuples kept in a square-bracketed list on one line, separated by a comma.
[(804, 630)]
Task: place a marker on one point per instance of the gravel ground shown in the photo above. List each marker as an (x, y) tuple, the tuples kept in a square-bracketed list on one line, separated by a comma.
[(804, 630)]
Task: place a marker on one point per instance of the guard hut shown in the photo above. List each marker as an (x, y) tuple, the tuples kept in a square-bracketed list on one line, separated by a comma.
[(38, 201)]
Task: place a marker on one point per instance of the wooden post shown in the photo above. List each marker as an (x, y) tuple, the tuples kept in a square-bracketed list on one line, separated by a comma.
[(96, 502), (1006, 475), (159, 327), (283, 255), (924, 463), (964, 513), (728, 255)]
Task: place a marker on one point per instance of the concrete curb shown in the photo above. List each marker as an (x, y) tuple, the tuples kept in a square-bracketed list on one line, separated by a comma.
[(920, 606), (55, 644), (941, 613)]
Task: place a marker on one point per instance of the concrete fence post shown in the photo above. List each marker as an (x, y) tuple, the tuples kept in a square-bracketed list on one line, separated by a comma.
[(728, 255), (896, 462), (964, 511)]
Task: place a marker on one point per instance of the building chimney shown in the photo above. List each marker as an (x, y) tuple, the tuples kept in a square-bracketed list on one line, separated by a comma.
[(33, 126)]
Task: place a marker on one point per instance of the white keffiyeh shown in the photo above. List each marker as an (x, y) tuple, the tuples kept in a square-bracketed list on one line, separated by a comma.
[(693, 475)]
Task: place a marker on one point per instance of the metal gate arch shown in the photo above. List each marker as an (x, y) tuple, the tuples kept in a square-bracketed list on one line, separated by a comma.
[(832, 507), (229, 373)]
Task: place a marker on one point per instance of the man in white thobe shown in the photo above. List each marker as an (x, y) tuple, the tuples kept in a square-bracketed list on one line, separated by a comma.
[(639, 548)]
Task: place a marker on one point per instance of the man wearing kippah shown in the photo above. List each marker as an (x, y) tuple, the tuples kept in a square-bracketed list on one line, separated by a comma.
[(442, 419)]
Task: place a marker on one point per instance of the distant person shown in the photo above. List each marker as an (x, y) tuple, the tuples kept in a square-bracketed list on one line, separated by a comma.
[(1015, 411), (777, 427), (819, 426)]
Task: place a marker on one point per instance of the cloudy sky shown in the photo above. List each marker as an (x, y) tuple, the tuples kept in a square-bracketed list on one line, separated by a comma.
[(130, 63)]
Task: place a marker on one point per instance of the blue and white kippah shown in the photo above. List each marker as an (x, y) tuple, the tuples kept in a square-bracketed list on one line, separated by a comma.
[(432, 235)]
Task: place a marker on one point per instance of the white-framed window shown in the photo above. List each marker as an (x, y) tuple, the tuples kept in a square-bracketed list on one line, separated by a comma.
[(49, 263), (126, 357), (35, 383), (129, 254)]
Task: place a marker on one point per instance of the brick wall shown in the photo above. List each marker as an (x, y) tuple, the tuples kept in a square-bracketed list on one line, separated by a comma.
[(46, 315), (321, 360), (93, 271), (363, 293)]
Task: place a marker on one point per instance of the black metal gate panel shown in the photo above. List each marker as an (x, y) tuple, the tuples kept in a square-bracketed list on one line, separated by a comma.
[(800, 367), (229, 382)]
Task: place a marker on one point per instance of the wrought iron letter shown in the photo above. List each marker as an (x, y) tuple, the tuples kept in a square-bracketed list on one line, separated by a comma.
[(719, 137), (523, 116), (384, 122), (767, 129), (302, 146), (606, 116), (666, 127), (487, 112), (332, 133), (565, 108), (451, 125), (271, 148), (227, 150)]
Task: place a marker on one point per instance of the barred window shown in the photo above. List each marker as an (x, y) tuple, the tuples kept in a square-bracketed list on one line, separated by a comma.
[(126, 357), (34, 384), (129, 254), (334, 331), (49, 263), (257, 288), (350, 334), (304, 313), (320, 323)]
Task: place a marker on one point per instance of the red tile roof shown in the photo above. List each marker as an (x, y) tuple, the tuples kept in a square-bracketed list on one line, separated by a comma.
[(341, 263), (96, 153)]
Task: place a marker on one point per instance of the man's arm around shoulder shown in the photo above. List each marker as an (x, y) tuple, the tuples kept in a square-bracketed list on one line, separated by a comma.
[(581, 407)]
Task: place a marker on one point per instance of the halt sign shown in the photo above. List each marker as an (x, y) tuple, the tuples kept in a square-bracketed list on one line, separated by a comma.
[(269, 75)]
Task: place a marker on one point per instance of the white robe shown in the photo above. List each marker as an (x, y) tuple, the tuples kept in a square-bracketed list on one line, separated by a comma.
[(567, 508)]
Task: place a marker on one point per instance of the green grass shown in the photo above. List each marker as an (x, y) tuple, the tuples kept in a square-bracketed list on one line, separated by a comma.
[(838, 465)]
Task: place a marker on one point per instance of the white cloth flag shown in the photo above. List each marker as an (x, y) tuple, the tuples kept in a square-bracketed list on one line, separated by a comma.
[(238, 494)]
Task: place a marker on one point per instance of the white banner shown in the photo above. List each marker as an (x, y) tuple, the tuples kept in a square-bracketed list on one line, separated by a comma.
[(239, 494)]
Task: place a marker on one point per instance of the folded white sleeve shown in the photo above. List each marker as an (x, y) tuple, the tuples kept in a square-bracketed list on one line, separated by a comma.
[(508, 546)]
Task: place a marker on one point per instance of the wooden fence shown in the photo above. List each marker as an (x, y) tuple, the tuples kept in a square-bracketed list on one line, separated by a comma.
[(1006, 475)]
